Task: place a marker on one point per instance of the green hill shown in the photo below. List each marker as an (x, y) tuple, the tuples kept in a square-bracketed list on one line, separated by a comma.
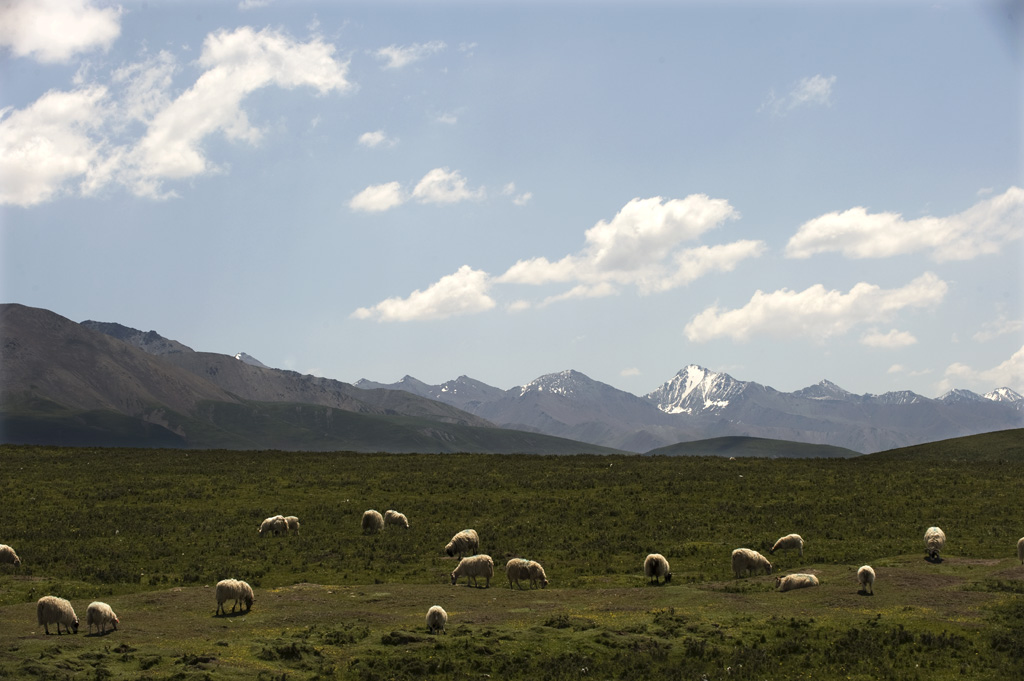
[(752, 446)]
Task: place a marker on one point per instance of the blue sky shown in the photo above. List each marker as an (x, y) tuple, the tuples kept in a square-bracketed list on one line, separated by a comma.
[(786, 192)]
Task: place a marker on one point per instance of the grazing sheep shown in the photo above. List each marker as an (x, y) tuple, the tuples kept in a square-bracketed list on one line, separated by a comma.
[(53, 610), (934, 541), (7, 555), (373, 522), (745, 559), (797, 581), (233, 590), (100, 614), (656, 566), (790, 541), (866, 578), (275, 524), (1020, 550), (437, 619), (472, 567), (396, 518), (464, 543), (537, 575), (293, 524), (516, 569)]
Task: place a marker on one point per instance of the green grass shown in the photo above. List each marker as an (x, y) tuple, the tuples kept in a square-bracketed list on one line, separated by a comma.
[(151, 531)]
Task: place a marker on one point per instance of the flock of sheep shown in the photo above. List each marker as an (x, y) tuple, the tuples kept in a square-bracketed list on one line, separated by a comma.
[(472, 565)]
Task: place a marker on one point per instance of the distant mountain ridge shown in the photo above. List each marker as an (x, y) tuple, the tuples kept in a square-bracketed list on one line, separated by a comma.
[(699, 404)]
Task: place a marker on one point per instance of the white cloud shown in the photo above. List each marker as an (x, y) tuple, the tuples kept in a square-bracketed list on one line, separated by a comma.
[(600, 290), (461, 293), (518, 199), (145, 86), (443, 186), (641, 246), (53, 31), (897, 369), (814, 312), (48, 143), (982, 229), (632, 371), (448, 119), (253, 4), (378, 197), (395, 56), (813, 90), (892, 339), (999, 327), (377, 138), (1009, 374)]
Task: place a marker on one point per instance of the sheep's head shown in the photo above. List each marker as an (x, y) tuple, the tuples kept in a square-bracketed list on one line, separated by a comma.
[(116, 622), (74, 626), (768, 568), (248, 602), (454, 578), (450, 550), (668, 577), (17, 562)]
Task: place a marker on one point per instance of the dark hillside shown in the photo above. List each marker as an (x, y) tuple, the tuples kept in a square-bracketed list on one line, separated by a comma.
[(752, 446)]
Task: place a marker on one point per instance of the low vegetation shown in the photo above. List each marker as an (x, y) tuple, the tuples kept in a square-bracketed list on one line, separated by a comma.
[(152, 531)]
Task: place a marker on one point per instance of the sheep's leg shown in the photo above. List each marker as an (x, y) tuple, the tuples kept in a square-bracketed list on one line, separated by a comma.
[(47, 628)]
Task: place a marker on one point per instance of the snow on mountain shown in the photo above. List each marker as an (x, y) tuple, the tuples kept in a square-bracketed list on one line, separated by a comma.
[(695, 389), (825, 390), (565, 383), (250, 360), (898, 397), (1004, 395), (960, 396)]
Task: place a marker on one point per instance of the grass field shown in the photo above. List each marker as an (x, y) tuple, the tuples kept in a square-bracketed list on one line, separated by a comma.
[(151, 532)]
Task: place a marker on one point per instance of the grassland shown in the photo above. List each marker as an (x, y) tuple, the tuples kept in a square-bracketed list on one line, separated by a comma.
[(151, 531)]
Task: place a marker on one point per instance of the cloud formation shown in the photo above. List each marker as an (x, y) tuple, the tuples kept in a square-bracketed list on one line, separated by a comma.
[(438, 186), (377, 138), (892, 339), (983, 229), (815, 312), (1008, 374), (813, 90), (83, 133), (461, 293), (640, 246), (54, 31), (396, 57)]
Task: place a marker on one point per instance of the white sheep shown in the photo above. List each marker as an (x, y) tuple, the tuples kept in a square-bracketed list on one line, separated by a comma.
[(233, 590), (7, 555), (1020, 550), (790, 541), (656, 566), (275, 524), (537, 575), (517, 569), (53, 610), (100, 614), (795, 581), (746, 559), (293, 524), (464, 543), (472, 567), (373, 522), (437, 619), (866, 578), (934, 541), (396, 518)]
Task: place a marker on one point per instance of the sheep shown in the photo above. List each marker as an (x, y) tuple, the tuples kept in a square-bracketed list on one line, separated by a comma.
[(517, 569), (464, 543), (53, 610), (100, 614), (437, 619), (790, 541), (233, 590), (866, 578), (537, 575), (472, 567), (745, 559), (275, 524), (7, 555), (934, 541), (293, 524), (1020, 550), (396, 518), (656, 566), (795, 581), (373, 522)]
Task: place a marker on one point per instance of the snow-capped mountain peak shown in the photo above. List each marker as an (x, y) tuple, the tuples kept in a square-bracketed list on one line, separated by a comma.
[(249, 359), (824, 390), (959, 395), (695, 389), (1004, 395), (565, 383)]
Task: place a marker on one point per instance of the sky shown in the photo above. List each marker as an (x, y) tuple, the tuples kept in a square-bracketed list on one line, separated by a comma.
[(783, 191)]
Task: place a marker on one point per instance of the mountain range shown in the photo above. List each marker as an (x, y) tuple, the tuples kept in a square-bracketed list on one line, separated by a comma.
[(698, 404), (102, 383)]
